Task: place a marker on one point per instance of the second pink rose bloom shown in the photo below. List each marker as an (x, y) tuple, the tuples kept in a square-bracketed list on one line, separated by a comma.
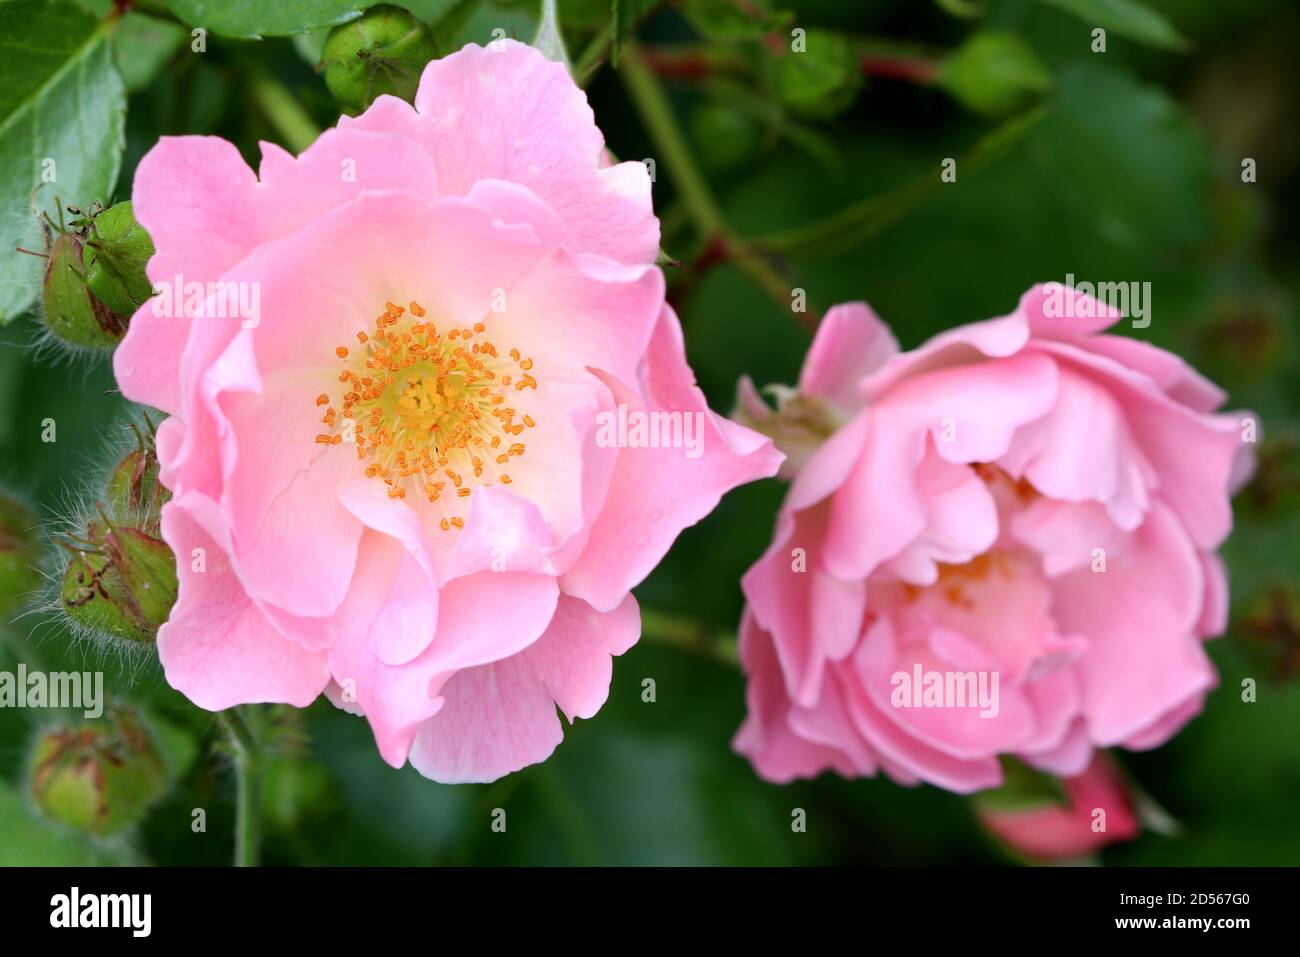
[(1000, 543)]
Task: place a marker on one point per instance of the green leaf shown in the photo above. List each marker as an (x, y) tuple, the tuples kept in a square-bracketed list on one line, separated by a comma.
[(549, 39), (62, 112), (966, 9), (142, 46), (732, 20), (1128, 18), (482, 21), (253, 19), (624, 14), (430, 11), (1022, 788), (448, 27), (1128, 156)]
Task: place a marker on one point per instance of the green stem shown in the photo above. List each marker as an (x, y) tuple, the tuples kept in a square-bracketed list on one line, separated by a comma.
[(856, 223), (248, 830), (593, 56), (282, 110), (151, 8), (662, 628), (651, 101)]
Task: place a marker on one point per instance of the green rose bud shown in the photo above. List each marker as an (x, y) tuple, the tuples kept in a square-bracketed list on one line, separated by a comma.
[(133, 488), (148, 569), (72, 314), (383, 51), (117, 249), (994, 73), (119, 582), (97, 776), (18, 556), (95, 598), (820, 80)]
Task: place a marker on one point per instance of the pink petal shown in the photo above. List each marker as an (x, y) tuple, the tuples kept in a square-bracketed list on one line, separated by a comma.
[(217, 648), (394, 698), (583, 312), (812, 616), (198, 200), (1139, 617), (1193, 454), (1214, 612), (964, 732), (1067, 534), (1058, 311), (961, 521), (972, 412), (495, 719), (898, 748), (1084, 450), (404, 625), (1175, 377), (506, 112), (657, 492), (1167, 725), (830, 465), (851, 343), (991, 338), (574, 658), (779, 753), (1068, 757), (482, 619)]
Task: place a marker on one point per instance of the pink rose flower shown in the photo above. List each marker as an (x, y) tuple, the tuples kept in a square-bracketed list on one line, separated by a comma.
[(390, 478), (1097, 811), (1006, 545)]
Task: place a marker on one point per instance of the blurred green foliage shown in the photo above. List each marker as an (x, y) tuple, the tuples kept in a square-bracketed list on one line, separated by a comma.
[(1122, 165)]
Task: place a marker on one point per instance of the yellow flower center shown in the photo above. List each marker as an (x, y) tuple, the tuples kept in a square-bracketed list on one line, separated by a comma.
[(429, 408)]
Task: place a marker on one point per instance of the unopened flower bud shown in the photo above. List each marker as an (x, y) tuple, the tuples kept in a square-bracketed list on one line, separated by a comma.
[(133, 487), (1050, 819), (383, 51), (97, 776), (120, 582), (822, 80), (148, 570), (117, 249), (72, 314), (994, 73)]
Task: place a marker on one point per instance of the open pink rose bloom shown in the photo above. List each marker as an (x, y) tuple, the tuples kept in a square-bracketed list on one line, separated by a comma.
[(1005, 545), (388, 474)]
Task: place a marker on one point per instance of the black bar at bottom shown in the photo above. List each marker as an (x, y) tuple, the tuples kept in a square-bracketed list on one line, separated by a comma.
[(333, 907)]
